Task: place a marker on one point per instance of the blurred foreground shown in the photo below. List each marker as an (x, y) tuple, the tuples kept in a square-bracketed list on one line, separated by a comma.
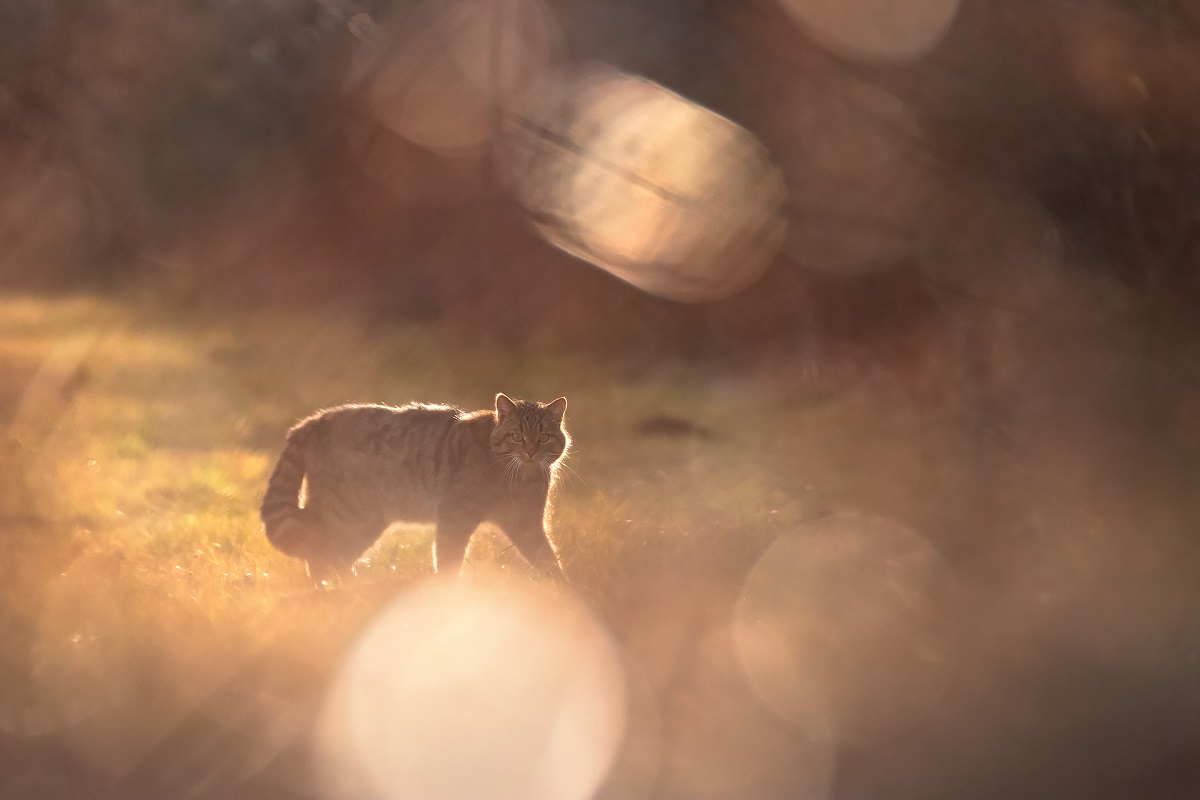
[(878, 326)]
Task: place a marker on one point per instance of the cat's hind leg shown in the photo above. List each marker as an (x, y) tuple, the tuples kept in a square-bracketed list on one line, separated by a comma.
[(295, 532), (450, 545), (301, 533), (328, 546), (345, 542)]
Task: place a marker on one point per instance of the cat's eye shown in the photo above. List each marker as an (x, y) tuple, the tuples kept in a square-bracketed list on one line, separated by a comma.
[(545, 437), (516, 437)]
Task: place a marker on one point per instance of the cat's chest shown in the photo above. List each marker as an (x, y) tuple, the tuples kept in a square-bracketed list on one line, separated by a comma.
[(517, 488)]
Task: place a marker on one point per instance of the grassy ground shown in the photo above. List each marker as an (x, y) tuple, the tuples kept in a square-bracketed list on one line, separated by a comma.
[(149, 457), (161, 645)]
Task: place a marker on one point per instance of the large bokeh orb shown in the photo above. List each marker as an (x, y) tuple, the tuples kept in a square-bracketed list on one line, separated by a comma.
[(888, 31), (842, 628), (466, 691), (648, 185)]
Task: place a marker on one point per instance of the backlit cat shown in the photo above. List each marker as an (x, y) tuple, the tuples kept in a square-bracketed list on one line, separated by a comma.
[(349, 472)]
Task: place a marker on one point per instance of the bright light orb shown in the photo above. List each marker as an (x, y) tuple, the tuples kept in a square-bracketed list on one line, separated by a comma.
[(874, 31), (468, 691), (842, 628), (649, 186)]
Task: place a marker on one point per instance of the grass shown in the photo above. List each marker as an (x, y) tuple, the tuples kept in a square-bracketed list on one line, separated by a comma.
[(150, 463), (156, 636)]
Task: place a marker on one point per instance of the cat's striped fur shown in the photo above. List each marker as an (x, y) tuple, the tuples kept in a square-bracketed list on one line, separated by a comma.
[(347, 473)]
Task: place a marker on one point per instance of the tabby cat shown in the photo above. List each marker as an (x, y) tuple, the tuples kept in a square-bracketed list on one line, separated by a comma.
[(349, 472)]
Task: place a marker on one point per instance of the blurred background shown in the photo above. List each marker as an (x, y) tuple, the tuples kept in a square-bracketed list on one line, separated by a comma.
[(878, 326)]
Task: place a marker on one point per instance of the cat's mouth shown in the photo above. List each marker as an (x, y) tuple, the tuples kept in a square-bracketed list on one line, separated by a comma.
[(537, 461), (528, 463)]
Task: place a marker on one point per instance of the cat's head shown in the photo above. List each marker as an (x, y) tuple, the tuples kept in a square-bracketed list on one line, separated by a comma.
[(530, 433)]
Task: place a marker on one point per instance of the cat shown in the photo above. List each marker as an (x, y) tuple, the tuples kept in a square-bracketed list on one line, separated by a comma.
[(349, 472)]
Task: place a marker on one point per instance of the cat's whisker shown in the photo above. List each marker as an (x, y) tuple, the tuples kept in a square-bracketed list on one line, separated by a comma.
[(567, 471), (513, 470)]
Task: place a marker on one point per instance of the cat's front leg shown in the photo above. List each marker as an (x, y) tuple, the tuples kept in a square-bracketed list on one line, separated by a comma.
[(454, 530), (527, 532)]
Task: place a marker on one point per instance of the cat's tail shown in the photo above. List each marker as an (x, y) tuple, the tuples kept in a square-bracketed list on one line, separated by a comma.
[(280, 510)]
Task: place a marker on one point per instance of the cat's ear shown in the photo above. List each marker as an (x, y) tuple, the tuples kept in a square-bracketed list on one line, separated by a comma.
[(558, 409), (504, 406)]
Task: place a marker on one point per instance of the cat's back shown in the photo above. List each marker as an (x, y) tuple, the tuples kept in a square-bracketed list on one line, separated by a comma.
[(393, 460), (370, 426)]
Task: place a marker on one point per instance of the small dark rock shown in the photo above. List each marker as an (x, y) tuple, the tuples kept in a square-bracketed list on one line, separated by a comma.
[(671, 428)]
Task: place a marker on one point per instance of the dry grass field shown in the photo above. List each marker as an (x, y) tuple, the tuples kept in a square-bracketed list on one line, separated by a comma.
[(1032, 595)]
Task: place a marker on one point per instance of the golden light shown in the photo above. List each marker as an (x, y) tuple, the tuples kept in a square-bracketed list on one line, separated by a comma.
[(469, 690), (118, 679), (648, 185), (874, 30), (841, 628)]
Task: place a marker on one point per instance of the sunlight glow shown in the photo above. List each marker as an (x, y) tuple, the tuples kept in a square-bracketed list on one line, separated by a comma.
[(464, 690)]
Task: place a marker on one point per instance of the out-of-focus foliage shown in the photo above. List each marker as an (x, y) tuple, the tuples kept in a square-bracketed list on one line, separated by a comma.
[(129, 128), (252, 150)]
